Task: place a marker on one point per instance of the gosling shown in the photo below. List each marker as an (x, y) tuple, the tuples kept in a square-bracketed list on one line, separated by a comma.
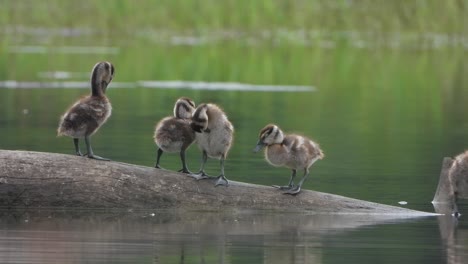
[(292, 151), (88, 114), (174, 134), (214, 136), (458, 175)]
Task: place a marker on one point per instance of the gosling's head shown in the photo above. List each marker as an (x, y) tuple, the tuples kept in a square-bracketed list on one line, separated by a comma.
[(200, 119), (184, 108), (269, 135), (102, 75)]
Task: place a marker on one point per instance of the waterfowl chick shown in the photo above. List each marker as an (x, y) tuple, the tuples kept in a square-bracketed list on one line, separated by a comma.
[(88, 114), (214, 136), (458, 177), (292, 151), (174, 134)]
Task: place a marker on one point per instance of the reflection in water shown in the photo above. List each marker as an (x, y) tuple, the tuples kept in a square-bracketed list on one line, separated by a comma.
[(208, 237), (454, 239)]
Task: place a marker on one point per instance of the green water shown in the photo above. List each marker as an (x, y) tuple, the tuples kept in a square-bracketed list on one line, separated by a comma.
[(390, 81), (212, 237)]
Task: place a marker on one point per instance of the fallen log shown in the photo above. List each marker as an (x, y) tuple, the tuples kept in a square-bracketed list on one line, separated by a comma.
[(37, 179)]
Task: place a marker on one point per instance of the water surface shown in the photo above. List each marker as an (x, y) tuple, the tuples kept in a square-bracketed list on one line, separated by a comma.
[(225, 237)]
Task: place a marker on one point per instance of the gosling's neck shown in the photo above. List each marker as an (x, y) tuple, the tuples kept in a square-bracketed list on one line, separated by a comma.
[(98, 87)]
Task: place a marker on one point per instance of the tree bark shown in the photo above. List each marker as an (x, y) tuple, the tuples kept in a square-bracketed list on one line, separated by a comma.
[(36, 179)]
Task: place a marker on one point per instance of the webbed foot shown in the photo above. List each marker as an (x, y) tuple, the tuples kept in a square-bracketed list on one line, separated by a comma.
[(222, 181), (200, 175), (97, 157), (186, 171), (79, 154), (293, 191), (283, 188)]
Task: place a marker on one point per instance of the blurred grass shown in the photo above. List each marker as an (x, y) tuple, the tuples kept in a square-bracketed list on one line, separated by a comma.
[(277, 41), (327, 15)]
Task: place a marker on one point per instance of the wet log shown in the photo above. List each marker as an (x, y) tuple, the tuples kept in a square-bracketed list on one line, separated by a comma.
[(37, 179)]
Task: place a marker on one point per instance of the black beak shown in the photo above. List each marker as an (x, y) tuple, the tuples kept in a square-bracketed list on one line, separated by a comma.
[(260, 146)]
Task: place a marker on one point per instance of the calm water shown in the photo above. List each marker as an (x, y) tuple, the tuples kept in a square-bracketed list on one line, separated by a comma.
[(216, 237), (381, 87)]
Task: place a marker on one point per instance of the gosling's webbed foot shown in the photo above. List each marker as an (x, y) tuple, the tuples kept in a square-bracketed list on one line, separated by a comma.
[(79, 154), (200, 175), (92, 156), (158, 167), (283, 188), (293, 191), (222, 180), (185, 170)]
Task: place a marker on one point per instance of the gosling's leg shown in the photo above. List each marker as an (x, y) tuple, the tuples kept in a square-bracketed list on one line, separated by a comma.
[(158, 157), (297, 189), (90, 151), (291, 182), (222, 180), (77, 147), (201, 174), (184, 163)]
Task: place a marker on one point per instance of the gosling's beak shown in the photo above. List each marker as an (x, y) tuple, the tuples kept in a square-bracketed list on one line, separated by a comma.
[(259, 146)]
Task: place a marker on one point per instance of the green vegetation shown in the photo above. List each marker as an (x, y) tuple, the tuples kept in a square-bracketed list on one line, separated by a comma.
[(118, 16), (278, 41)]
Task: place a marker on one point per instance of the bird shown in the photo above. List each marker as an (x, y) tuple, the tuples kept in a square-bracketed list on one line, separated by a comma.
[(174, 133), (293, 151), (458, 178), (89, 113), (214, 135)]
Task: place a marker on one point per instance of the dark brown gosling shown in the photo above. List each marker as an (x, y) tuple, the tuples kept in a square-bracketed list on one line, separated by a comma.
[(214, 136), (458, 175), (88, 114), (292, 151), (174, 134)]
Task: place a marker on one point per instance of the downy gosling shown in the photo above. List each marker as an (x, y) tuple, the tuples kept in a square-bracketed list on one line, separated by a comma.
[(458, 176), (174, 134), (89, 113), (214, 136), (292, 151)]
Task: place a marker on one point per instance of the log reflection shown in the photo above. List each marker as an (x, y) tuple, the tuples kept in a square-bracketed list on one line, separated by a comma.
[(172, 236)]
